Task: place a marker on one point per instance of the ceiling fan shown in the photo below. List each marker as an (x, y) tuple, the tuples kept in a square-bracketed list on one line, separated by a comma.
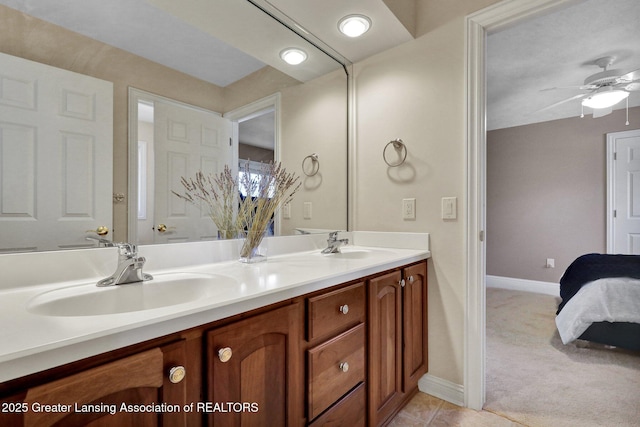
[(603, 89)]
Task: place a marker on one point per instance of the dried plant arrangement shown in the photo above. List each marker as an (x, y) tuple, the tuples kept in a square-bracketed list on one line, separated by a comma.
[(219, 193), (245, 216), (272, 187)]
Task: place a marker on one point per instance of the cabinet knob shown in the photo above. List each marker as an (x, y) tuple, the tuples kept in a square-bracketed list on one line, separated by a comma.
[(344, 366), (410, 279), (402, 283), (344, 309), (224, 354), (177, 374)]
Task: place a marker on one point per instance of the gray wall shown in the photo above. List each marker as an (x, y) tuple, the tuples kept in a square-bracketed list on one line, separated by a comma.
[(546, 194)]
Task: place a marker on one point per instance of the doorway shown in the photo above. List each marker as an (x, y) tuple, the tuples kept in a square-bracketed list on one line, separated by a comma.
[(488, 20), (256, 133)]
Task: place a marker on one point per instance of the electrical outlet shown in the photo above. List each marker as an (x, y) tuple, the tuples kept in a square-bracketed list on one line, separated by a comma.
[(286, 211), (408, 208)]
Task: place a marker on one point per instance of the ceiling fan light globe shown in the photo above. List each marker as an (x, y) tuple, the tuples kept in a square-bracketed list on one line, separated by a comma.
[(605, 99)]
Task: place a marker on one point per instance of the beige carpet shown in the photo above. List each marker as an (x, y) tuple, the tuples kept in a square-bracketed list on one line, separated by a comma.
[(534, 379)]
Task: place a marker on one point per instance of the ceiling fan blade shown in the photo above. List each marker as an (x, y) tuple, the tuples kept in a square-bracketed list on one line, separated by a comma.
[(630, 76), (582, 95), (601, 112), (632, 87), (583, 87)]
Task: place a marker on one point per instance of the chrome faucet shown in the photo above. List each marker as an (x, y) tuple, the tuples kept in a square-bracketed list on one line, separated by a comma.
[(129, 268), (334, 244)]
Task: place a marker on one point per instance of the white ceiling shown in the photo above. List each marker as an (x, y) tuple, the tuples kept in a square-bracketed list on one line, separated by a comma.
[(204, 39), (321, 19), (554, 51)]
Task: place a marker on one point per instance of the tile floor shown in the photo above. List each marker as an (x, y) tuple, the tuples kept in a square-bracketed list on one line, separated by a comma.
[(425, 410)]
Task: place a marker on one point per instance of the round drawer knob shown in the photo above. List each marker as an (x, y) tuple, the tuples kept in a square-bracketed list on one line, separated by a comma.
[(344, 366), (344, 309), (410, 279), (177, 374), (224, 354)]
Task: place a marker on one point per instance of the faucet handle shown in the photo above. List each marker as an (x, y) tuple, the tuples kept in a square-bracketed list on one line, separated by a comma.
[(128, 250), (333, 235)]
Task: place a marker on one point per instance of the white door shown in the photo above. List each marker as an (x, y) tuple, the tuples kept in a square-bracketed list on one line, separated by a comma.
[(186, 140), (56, 151), (624, 189)]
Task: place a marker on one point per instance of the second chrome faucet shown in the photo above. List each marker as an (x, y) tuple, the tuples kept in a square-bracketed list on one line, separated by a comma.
[(334, 244)]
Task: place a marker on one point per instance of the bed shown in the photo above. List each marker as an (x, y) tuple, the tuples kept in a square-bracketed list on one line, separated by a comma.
[(601, 300)]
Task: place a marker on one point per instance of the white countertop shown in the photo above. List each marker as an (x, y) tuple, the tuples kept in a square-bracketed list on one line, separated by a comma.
[(35, 342)]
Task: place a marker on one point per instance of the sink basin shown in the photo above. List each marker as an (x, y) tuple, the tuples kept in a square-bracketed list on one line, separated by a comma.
[(350, 252), (163, 291)]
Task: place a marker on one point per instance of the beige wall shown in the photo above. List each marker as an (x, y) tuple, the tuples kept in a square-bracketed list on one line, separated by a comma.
[(416, 92), (546, 194), (304, 133)]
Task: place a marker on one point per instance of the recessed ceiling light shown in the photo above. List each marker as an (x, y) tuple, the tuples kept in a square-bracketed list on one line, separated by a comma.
[(293, 56), (354, 25)]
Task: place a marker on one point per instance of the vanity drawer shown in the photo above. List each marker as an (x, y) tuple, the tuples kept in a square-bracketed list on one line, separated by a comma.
[(350, 411), (335, 367), (335, 311)]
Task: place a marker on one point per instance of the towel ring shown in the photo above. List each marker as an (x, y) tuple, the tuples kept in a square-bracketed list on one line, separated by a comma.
[(315, 164), (399, 146)]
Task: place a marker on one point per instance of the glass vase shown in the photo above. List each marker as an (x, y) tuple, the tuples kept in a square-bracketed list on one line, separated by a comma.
[(253, 247), (227, 234)]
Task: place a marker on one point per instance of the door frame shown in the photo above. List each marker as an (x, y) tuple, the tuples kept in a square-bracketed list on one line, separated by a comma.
[(612, 137), (477, 26), (249, 111)]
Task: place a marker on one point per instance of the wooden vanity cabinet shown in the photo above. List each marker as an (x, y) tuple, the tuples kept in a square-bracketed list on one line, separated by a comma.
[(112, 394), (347, 356), (254, 365), (397, 339), (336, 357)]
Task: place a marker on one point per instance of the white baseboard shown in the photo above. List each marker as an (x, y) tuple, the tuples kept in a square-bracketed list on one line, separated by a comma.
[(442, 389), (547, 288)]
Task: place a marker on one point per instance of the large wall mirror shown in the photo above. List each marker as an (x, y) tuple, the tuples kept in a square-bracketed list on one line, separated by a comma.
[(218, 59)]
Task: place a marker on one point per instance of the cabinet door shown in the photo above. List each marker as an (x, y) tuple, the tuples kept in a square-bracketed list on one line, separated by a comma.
[(415, 325), (385, 346), (108, 395), (254, 371)]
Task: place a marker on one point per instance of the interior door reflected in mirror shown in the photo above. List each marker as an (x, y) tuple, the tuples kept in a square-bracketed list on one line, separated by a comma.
[(176, 140)]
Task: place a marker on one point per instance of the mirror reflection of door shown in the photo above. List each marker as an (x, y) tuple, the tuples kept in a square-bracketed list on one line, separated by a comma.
[(56, 151), (175, 141)]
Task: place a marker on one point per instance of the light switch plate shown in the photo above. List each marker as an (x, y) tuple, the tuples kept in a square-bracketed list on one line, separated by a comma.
[(449, 207), (306, 214), (286, 211)]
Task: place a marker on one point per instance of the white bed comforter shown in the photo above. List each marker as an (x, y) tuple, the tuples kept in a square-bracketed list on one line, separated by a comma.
[(603, 300)]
